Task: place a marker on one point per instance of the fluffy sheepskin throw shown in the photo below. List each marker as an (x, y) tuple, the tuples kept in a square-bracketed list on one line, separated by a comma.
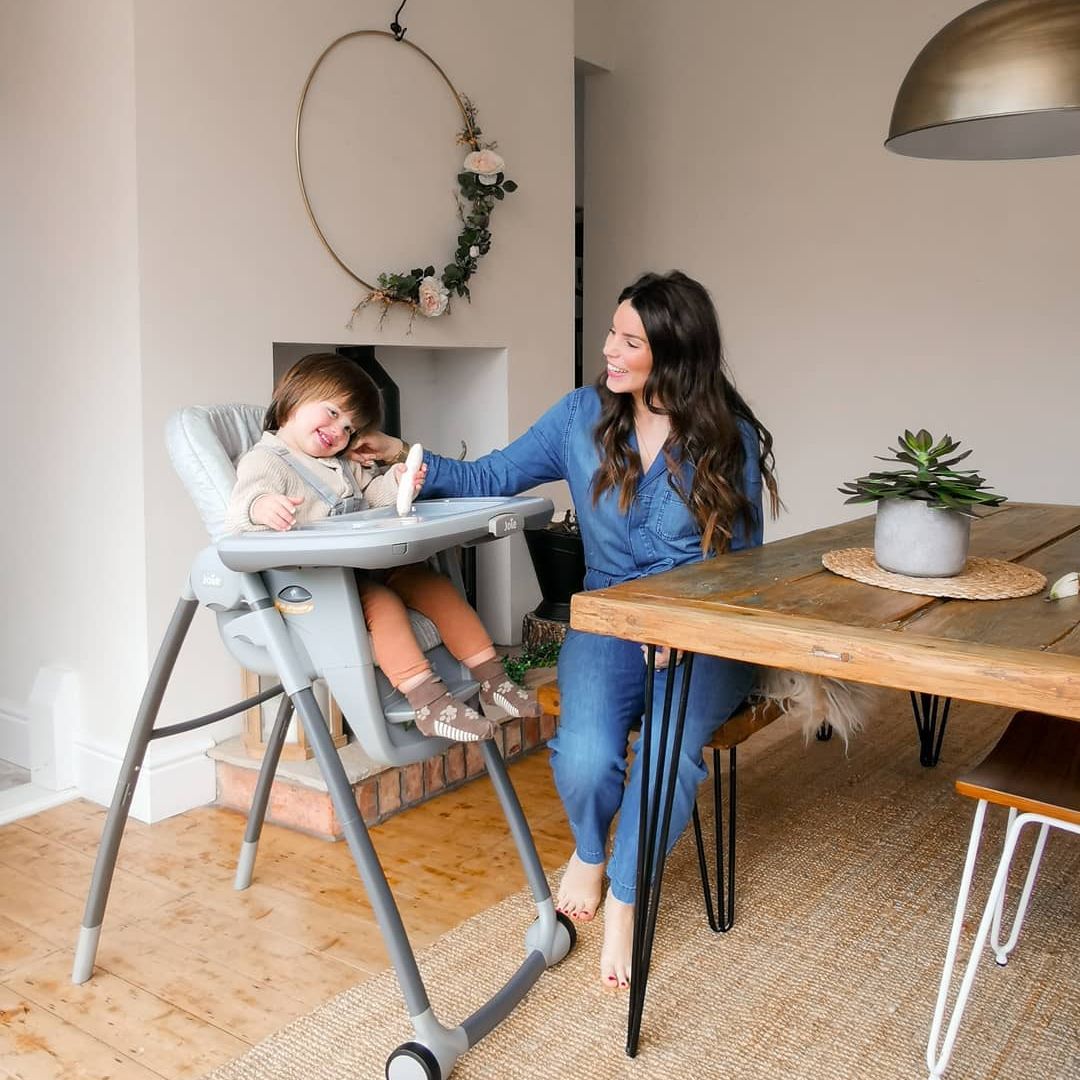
[(813, 700)]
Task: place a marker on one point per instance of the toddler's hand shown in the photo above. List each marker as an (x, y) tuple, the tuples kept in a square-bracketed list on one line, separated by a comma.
[(421, 475), (277, 512)]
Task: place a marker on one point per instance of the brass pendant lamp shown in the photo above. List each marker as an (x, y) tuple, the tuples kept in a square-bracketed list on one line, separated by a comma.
[(1001, 80)]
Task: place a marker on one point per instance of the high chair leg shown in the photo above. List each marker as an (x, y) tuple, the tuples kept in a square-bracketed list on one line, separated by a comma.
[(547, 941), (108, 849), (245, 864), (447, 1045)]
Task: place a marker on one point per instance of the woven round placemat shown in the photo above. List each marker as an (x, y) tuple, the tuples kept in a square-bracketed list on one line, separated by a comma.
[(981, 579)]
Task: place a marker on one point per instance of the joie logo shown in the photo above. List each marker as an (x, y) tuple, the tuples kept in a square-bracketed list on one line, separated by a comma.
[(211, 579)]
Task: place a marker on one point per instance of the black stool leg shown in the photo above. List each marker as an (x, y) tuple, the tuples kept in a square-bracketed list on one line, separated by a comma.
[(722, 916)]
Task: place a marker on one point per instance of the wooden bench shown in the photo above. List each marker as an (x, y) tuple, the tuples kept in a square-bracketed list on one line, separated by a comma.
[(751, 718)]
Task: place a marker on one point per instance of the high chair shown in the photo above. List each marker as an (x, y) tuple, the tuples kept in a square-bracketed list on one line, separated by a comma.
[(287, 606), (1034, 770)]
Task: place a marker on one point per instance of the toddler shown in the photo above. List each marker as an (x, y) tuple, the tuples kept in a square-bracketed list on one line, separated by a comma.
[(298, 473)]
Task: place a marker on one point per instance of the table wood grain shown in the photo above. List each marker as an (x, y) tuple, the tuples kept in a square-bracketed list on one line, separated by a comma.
[(777, 605)]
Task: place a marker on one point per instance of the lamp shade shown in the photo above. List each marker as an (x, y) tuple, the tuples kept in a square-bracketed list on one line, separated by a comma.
[(1000, 81)]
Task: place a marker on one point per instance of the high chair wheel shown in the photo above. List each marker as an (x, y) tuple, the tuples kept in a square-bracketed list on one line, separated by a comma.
[(568, 925), (412, 1061)]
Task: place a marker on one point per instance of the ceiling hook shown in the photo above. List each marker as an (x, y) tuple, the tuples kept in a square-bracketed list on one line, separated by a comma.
[(395, 27)]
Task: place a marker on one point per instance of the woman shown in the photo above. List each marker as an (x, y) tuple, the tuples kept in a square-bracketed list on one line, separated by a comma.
[(666, 464)]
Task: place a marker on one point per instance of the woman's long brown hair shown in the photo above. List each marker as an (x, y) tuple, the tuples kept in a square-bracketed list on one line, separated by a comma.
[(689, 383)]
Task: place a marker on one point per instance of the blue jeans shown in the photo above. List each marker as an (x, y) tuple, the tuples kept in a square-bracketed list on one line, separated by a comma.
[(602, 694)]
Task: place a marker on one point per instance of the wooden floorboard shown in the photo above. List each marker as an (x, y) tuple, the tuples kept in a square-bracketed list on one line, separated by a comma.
[(190, 972)]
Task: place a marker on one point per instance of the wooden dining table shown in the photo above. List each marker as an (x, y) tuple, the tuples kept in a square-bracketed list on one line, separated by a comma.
[(776, 605)]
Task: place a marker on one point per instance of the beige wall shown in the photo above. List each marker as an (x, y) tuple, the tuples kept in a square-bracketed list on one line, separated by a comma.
[(72, 549), (229, 260), (179, 250), (860, 292), (155, 246)]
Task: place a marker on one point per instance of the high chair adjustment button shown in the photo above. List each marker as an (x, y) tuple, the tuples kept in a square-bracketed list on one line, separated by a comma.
[(294, 594), (504, 524)]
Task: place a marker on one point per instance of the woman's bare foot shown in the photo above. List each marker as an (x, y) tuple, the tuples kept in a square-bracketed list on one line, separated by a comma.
[(579, 890), (618, 943)]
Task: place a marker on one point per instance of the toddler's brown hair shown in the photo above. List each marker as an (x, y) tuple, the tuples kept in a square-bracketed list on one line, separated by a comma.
[(329, 377)]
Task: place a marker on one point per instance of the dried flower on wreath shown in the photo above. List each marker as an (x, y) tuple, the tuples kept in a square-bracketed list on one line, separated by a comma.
[(482, 183)]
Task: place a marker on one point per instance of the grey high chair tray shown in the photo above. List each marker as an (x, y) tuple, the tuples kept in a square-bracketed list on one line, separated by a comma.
[(378, 539), (287, 606)]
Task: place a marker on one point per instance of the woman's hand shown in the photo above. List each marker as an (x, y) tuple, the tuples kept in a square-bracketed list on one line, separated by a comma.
[(277, 512), (375, 446), (663, 656), (421, 475)]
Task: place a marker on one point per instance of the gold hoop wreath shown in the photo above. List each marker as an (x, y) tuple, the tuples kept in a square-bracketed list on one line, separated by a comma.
[(481, 184)]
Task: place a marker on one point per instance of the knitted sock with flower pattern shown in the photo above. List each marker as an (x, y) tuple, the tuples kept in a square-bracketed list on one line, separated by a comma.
[(500, 696), (438, 714)]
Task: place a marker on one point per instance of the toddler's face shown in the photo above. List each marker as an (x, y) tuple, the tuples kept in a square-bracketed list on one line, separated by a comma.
[(318, 428)]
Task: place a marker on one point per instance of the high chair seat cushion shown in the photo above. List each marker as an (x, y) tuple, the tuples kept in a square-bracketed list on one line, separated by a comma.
[(204, 443)]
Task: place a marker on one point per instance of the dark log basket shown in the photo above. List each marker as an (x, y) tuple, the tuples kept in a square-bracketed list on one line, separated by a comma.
[(558, 557)]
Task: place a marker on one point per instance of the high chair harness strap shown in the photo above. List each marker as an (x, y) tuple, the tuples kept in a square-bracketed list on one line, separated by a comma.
[(338, 504)]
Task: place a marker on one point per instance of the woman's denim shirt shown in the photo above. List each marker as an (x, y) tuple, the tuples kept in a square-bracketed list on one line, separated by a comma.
[(657, 533)]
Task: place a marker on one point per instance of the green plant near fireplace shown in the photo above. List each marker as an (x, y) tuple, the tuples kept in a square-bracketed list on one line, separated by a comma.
[(543, 655)]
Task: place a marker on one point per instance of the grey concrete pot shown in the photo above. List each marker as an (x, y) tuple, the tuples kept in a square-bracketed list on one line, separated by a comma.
[(911, 538)]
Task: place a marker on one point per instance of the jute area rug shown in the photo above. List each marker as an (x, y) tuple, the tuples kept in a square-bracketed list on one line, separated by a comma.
[(848, 870)]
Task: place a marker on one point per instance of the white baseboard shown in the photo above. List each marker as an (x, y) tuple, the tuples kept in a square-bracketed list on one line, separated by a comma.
[(42, 737), (55, 711), (14, 735), (176, 776), (26, 799)]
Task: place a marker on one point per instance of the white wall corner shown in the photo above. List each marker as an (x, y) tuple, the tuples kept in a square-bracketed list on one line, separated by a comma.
[(14, 735), (55, 715), (176, 775)]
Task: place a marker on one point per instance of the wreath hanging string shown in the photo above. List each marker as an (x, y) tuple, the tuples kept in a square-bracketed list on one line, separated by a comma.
[(481, 184)]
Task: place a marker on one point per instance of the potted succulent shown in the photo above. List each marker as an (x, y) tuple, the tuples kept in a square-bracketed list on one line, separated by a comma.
[(924, 510)]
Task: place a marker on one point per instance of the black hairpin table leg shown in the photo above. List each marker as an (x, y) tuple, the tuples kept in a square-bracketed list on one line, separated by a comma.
[(931, 715), (652, 841)]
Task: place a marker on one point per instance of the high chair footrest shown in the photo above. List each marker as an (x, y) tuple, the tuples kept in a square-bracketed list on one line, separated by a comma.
[(461, 685)]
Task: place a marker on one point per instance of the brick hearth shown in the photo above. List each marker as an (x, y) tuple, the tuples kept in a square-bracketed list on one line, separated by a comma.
[(299, 799)]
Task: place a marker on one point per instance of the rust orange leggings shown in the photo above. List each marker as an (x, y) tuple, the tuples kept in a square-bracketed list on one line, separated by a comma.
[(392, 640)]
